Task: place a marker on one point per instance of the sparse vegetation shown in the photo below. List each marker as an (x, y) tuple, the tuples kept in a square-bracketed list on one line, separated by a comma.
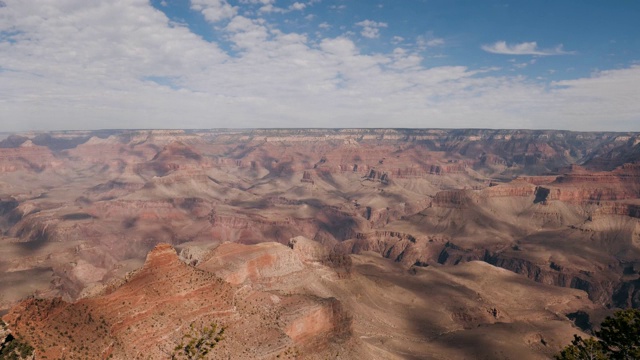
[(15, 349), (618, 338), (198, 343)]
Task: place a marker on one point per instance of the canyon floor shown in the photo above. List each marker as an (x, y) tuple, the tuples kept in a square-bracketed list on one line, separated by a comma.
[(316, 243)]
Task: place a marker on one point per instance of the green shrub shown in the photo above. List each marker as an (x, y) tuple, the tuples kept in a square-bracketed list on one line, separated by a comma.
[(618, 339)]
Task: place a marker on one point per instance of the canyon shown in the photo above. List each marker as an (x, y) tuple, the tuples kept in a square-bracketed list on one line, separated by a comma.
[(316, 243)]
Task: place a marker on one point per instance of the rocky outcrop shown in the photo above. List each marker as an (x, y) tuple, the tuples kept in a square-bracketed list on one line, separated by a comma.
[(9, 213), (27, 157), (391, 245), (536, 180), (453, 167), (600, 288), (329, 226), (162, 301), (587, 194), (617, 208), (147, 210), (110, 154), (396, 246), (582, 186), (110, 190), (456, 199), (323, 320), (237, 263), (376, 175), (623, 150), (174, 156), (307, 178), (307, 249), (516, 188), (627, 295)]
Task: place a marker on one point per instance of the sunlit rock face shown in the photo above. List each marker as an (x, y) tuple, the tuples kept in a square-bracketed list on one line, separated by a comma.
[(317, 239)]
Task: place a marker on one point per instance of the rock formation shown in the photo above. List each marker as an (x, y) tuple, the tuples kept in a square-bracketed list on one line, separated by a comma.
[(147, 315), (293, 217)]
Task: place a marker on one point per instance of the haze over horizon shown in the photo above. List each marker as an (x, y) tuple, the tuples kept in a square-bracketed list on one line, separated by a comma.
[(77, 64)]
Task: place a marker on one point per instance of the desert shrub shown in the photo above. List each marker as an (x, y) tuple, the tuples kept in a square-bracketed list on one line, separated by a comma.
[(15, 348), (197, 343)]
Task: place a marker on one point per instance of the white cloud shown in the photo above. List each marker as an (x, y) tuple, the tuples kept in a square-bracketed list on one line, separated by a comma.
[(370, 28), (525, 48), (607, 95), (271, 9), (247, 34), (402, 60), (266, 6), (214, 10), (424, 42), (435, 42), (258, 2), (297, 6), (121, 64), (397, 39), (523, 64), (339, 46)]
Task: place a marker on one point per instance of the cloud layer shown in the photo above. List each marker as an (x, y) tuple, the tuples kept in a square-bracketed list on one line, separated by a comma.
[(525, 48), (78, 64)]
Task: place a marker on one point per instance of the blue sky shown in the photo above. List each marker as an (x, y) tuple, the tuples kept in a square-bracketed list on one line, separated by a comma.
[(603, 35), (87, 64)]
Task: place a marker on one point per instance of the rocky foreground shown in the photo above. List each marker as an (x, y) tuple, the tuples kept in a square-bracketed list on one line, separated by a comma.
[(317, 243)]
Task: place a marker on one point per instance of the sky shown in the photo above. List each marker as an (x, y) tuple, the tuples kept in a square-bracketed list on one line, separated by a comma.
[(116, 64)]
